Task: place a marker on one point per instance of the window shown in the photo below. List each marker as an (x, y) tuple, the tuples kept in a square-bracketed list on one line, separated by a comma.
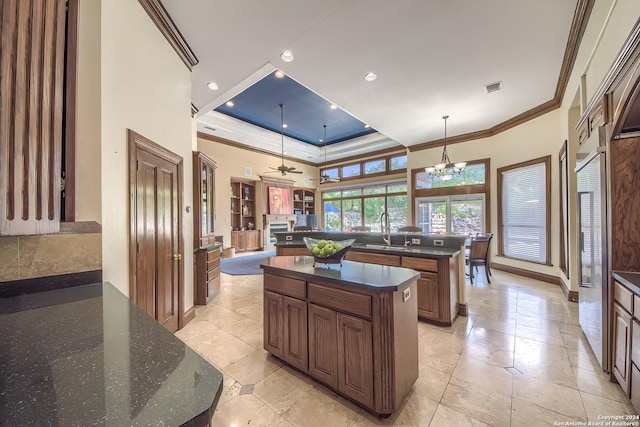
[(523, 210), (564, 210), (344, 209), (398, 162), (375, 166), (451, 214), (351, 171), (394, 163), (473, 174), (459, 206)]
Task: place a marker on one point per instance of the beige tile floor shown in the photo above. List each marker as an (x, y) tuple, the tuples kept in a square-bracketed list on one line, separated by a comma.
[(518, 359)]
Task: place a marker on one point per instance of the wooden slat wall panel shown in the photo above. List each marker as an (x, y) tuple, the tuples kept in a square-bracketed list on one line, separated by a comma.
[(32, 41)]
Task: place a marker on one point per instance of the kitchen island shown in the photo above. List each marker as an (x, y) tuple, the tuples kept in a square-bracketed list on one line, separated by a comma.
[(86, 355), (438, 258), (353, 327)]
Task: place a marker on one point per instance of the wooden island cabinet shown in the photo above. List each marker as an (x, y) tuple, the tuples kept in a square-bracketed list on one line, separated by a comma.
[(352, 327)]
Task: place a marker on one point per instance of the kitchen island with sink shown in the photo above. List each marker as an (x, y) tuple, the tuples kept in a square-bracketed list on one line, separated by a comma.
[(438, 258), (353, 327)]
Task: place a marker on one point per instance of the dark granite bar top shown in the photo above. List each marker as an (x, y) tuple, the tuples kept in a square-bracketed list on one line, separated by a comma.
[(357, 274), (413, 251), (88, 356), (214, 245), (628, 278)]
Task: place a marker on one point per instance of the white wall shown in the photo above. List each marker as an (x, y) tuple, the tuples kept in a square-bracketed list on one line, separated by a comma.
[(145, 88)]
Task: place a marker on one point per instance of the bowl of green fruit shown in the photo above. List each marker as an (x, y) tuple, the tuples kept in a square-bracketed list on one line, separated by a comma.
[(326, 251)]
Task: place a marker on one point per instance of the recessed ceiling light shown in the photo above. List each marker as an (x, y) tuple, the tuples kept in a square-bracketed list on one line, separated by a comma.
[(212, 85), (321, 140), (367, 126), (287, 56), (334, 107), (285, 125), (230, 104), (279, 74), (371, 76)]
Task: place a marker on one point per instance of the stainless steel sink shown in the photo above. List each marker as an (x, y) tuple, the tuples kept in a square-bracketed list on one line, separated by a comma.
[(378, 246)]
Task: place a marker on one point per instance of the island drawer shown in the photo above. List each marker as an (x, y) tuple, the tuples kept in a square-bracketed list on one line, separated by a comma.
[(285, 285), (423, 264), (374, 258), (623, 296), (346, 302)]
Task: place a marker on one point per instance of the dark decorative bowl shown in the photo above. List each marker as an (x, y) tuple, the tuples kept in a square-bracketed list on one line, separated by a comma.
[(334, 258)]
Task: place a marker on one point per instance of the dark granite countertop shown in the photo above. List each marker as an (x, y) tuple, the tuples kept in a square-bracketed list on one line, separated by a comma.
[(413, 251), (208, 247), (88, 356), (357, 274), (628, 278)]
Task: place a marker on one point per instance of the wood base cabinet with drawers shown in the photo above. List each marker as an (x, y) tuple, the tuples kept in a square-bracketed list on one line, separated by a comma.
[(625, 340), (437, 285), (360, 343), (207, 274)]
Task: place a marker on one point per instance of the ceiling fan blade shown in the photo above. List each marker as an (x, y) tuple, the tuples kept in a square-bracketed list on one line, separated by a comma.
[(294, 171)]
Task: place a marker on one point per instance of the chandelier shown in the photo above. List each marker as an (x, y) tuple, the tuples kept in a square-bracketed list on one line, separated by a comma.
[(445, 170)]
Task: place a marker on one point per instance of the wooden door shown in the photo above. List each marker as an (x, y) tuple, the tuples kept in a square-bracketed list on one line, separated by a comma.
[(428, 305), (156, 234), (355, 358), (295, 333), (273, 328), (323, 342)]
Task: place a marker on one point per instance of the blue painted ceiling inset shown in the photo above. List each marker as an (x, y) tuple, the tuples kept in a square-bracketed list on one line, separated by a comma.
[(304, 112)]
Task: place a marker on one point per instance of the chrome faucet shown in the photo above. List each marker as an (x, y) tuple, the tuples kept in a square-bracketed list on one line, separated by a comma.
[(385, 227)]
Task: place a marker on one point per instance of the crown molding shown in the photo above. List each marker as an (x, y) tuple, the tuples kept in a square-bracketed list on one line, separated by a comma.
[(194, 110), (167, 27), (578, 26), (231, 143)]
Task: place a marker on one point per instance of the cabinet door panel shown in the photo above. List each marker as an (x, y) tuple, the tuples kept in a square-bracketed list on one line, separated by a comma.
[(323, 341), (621, 346), (355, 358), (635, 387), (295, 333), (273, 324), (428, 305)]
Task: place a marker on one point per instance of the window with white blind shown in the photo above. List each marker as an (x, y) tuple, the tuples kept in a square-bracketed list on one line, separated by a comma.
[(524, 210)]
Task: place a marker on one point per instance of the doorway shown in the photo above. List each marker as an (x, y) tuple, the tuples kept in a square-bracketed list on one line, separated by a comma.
[(155, 233), (451, 214)]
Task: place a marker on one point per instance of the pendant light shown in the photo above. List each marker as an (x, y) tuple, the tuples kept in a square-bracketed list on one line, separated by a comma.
[(445, 170)]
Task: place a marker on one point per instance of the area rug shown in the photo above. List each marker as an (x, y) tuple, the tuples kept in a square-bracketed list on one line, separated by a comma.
[(244, 265)]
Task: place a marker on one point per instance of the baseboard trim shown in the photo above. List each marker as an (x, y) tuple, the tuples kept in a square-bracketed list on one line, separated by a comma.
[(48, 283), (189, 315), (571, 295)]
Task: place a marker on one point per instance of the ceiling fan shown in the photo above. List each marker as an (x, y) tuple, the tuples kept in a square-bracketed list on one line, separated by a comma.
[(324, 178), (284, 170)]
